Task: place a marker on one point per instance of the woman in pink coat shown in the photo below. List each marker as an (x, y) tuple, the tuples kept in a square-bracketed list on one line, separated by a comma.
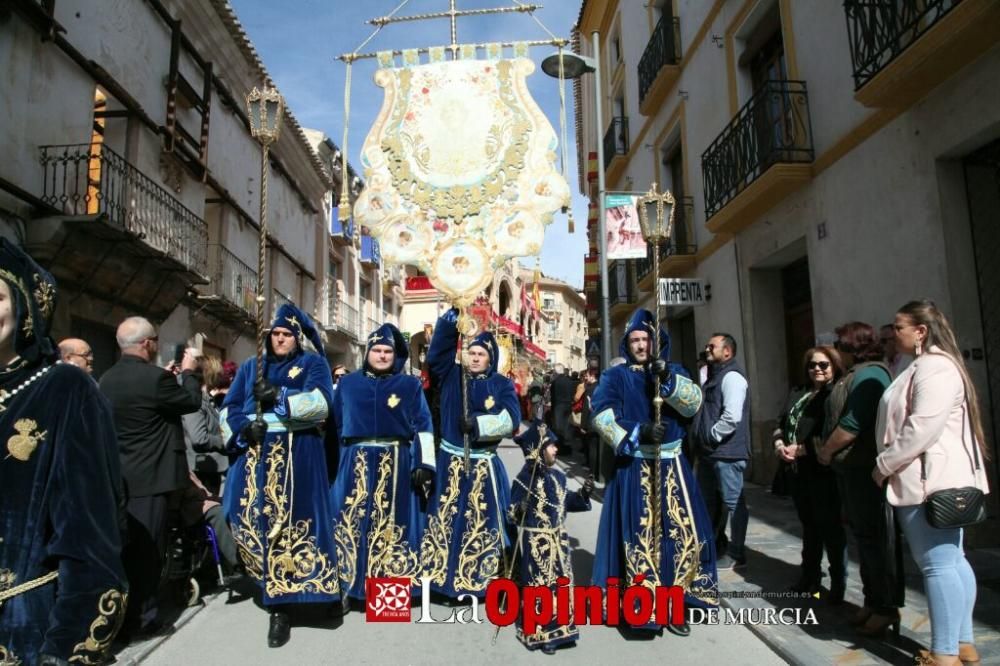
[(929, 429)]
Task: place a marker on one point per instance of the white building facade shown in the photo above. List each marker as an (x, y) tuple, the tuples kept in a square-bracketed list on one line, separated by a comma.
[(131, 174), (830, 166)]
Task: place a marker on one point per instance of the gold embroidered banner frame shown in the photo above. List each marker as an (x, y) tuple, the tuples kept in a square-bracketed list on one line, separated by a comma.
[(461, 170)]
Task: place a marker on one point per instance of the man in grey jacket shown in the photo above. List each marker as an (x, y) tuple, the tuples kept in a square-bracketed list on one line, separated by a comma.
[(722, 434)]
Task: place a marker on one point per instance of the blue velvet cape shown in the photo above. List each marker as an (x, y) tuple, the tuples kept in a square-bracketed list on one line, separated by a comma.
[(538, 503), (60, 511), (277, 496), (625, 541), (384, 429), (467, 528)]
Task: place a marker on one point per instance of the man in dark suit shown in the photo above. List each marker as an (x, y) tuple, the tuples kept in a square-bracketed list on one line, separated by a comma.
[(563, 393), (148, 403)]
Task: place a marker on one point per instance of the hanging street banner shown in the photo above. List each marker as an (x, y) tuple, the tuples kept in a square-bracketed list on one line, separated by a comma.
[(682, 291), (621, 224)]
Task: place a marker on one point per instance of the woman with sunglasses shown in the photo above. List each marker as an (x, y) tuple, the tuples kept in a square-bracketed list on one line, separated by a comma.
[(814, 487)]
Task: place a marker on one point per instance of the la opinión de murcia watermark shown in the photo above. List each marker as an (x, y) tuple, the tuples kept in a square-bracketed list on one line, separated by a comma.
[(389, 600)]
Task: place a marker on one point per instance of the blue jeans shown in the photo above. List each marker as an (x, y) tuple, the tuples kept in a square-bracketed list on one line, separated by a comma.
[(723, 479), (948, 579)]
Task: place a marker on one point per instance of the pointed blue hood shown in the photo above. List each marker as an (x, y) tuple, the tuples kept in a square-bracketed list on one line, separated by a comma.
[(387, 334), (298, 322), (643, 320), (489, 343)]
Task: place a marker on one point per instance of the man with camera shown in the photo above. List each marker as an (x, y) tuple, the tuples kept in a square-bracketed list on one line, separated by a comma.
[(148, 402)]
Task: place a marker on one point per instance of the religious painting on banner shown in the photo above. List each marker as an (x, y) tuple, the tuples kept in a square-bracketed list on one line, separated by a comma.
[(460, 167), (621, 221)]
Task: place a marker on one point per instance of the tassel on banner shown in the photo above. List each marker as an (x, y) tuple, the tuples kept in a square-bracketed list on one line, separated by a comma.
[(570, 223)]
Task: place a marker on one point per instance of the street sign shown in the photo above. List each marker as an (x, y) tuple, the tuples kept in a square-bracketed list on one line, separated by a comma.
[(682, 291)]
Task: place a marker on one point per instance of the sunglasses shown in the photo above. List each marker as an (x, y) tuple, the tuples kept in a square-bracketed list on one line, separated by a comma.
[(822, 365)]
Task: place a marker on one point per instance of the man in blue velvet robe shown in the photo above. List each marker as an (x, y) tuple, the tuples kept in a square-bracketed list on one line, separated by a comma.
[(463, 545), (539, 501), (277, 490), (386, 440), (62, 585), (623, 417)]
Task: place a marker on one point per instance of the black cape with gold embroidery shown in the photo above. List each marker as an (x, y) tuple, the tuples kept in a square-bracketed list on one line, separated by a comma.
[(60, 493)]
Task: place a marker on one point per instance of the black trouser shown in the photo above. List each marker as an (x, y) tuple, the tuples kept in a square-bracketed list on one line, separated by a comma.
[(817, 501), (144, 552), (865, 506)]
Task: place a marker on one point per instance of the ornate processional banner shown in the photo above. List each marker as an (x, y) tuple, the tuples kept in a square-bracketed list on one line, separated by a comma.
[(460, 170)]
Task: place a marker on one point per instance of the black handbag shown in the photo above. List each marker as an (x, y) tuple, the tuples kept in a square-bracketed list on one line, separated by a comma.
[(956, 507)]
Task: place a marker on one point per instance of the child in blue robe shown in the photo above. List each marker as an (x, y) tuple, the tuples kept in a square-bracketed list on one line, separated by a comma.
[(538, 505)]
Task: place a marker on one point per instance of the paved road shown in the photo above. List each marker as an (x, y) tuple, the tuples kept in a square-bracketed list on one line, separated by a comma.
[(224, 633)]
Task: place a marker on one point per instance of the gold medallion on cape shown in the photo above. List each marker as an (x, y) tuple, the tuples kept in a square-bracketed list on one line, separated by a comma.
[(294, 372), (24, 443), (393, 401), (490, 402)]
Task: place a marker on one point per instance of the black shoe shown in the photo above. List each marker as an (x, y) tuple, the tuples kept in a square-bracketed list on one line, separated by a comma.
[(726, 562), (548, 649), (683, 630), (280, 630), (806, 585), (835, 596)]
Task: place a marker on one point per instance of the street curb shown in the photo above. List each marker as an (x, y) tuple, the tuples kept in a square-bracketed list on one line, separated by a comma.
[(148, 647), (776, 646)]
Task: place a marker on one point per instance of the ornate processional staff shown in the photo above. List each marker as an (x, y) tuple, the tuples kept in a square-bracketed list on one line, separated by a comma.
[(657, 226), (265, 109)]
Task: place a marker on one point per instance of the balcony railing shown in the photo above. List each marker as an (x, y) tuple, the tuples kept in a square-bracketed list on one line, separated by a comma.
[(681, 243), (616, 139), (277, 300), (91, 179), (880, 30), (774, 126), (621, 286), (664, 48), (346, 319), (234, 280)]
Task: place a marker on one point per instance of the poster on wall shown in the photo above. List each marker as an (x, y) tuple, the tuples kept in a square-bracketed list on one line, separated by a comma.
[(621, 223)]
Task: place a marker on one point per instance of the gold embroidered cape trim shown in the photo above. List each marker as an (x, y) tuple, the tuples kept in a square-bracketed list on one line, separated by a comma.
[(110, 615), (294, 563)]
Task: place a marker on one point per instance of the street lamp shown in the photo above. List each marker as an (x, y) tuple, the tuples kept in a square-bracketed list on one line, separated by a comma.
[(265, 109), (572, 66), (656, 216)]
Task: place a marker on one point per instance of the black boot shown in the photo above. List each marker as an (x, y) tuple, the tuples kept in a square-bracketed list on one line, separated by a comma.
[(280, 630), (807, 584), (837, 589)]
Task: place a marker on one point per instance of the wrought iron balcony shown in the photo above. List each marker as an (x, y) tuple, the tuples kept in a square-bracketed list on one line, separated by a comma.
[(772, 127), (92, 180), (342, 317), (616, 139), (233, 281), (663, 49), (680, 244), (880, 30), (277, 300), (903, 49), (621, 285)]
